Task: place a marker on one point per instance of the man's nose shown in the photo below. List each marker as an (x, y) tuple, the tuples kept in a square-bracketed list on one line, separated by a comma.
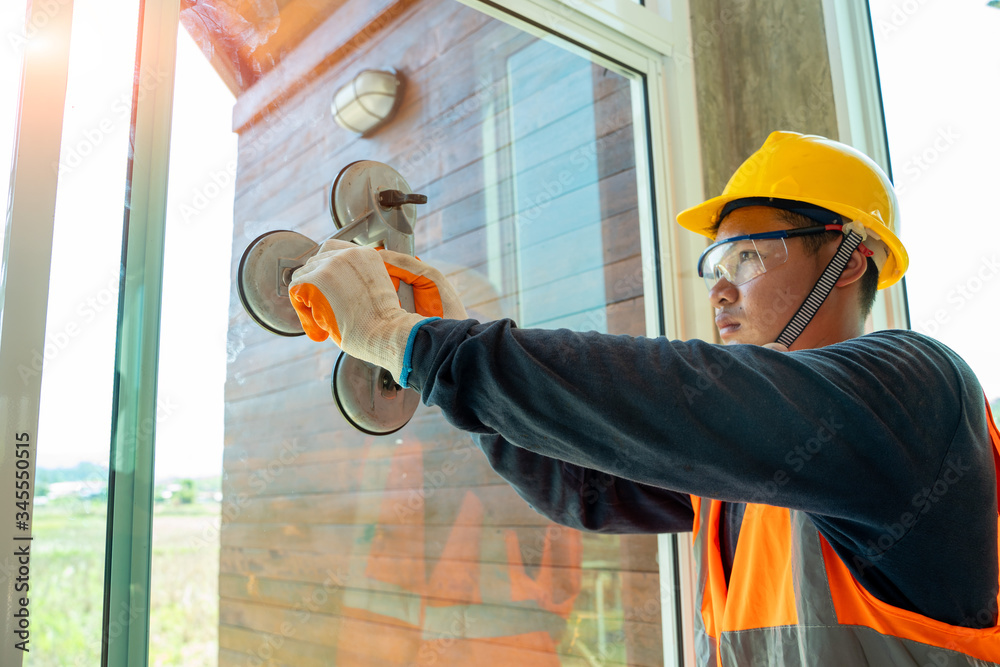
[(723, 292)]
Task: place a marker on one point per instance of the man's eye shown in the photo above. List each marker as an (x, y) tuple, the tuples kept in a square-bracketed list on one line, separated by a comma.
[(747, 256)]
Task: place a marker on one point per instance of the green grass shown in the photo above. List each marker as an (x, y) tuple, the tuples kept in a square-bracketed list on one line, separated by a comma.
[(67, 575), (67, 584), (184, 620)]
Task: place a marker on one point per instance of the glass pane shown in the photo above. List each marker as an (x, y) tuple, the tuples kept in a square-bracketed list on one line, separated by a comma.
[(184, 604), (556, 191), (944, 169), (330, 546), (71, 479)]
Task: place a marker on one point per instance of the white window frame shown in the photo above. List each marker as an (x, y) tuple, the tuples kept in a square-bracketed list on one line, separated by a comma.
[(24, 288), (860, 117)]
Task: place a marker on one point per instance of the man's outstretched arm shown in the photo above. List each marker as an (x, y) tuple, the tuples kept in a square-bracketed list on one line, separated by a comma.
[(808, 430), (583, 498)]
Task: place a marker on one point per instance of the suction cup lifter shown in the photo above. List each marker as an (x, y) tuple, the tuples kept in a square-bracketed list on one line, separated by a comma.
[(371, 204)]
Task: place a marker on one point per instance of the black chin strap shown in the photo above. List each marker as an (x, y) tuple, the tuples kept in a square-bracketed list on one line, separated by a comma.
[(831, 274)]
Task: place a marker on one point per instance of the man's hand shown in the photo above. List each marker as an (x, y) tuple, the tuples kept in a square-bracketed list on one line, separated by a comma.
[(345, 292)]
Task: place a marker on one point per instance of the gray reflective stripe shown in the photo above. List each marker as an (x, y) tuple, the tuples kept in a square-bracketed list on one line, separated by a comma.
[(385, 599), (454, 621), (813, 601), (704, 645), (839, 646), (472, 621), (704, 648)]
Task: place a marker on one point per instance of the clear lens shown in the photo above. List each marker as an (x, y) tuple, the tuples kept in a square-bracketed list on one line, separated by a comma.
[(740, 262)]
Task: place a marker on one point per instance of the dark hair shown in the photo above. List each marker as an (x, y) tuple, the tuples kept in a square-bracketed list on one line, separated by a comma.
[(813, 244)]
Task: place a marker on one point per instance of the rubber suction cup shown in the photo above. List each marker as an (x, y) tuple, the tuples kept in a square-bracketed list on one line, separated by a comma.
[(367, 188), (263, 277), (369, 397)]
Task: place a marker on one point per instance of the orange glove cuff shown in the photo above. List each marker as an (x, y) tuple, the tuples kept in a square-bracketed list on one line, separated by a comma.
[(426, 298), (315, 313)]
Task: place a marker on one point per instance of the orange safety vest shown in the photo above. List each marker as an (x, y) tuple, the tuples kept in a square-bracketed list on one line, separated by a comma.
[(792, 601)]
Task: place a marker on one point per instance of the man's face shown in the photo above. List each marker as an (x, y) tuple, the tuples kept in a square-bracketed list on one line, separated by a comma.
[(757, 311)]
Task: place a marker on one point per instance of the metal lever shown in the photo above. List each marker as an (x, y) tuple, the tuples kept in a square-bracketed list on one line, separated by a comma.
[(396, 198)]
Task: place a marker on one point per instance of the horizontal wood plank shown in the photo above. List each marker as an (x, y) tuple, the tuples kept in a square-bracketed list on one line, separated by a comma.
[(640, 590), (278, 563), (600, 551), (306, 633)]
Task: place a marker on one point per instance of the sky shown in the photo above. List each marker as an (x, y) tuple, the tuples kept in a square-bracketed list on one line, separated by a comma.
[(939, 62), (940, 74), (75, 419)]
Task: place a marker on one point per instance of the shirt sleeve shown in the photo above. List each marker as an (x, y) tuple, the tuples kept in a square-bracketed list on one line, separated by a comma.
[(584, 498), (740, 423), (881, 438)]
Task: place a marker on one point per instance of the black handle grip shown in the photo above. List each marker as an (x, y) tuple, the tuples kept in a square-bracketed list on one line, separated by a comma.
[(396, 198)]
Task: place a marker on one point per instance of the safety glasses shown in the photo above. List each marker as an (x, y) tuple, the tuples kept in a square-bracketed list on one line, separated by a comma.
[(740, 259)]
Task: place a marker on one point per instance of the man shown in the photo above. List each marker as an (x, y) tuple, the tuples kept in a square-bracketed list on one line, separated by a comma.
[(842, 487)]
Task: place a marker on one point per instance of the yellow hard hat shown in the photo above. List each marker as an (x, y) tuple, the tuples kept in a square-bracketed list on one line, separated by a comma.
[(815, 170)]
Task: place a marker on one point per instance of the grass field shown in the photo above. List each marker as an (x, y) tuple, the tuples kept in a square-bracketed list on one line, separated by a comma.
[(67, 585)]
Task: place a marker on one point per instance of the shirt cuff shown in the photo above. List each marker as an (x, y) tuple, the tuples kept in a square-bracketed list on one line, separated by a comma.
[(404, 374)]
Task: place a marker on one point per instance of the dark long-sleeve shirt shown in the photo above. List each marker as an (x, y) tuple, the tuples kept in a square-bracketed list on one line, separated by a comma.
[(881, 439)]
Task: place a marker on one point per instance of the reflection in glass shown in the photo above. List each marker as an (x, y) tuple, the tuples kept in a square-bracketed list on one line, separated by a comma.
[(555, 188), (335, 547), (184, 606)]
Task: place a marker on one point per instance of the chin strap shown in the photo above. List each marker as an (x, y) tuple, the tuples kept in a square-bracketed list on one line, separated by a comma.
[(831, 274)]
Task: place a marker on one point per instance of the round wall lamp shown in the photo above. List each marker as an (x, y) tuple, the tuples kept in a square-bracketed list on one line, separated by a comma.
[(368, 101)]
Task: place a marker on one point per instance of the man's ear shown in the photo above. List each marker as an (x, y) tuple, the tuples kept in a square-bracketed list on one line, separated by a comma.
[(856, 267)]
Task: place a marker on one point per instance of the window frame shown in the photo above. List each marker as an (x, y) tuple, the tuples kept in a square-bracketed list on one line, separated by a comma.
[(27, 255), (668, 171), (861, 119)]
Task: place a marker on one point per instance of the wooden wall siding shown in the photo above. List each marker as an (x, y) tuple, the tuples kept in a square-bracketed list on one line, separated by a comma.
[(317, 517)]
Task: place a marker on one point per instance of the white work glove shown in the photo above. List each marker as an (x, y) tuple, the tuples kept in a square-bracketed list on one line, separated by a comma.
[(345, 292)]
